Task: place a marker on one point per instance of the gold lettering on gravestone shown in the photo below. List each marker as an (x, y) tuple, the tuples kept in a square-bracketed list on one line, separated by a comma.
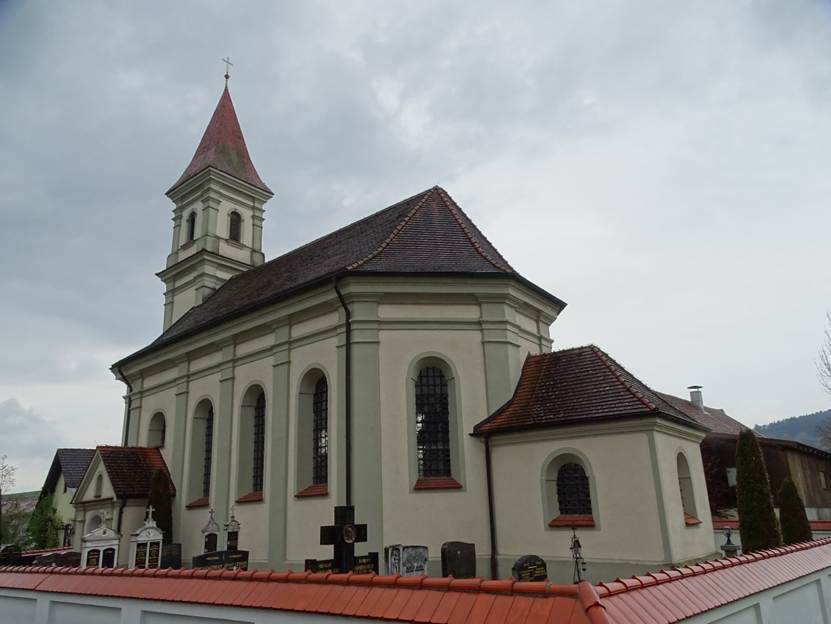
[(153, 554), (141, 555), (93, 557)]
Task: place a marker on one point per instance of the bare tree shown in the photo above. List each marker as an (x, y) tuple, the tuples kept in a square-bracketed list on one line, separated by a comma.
[(824, 361), (6, 482)]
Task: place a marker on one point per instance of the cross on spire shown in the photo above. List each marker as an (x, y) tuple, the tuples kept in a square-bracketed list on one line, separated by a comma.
[(228, 66)]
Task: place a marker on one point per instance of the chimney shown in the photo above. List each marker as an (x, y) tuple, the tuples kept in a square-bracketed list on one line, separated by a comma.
[(696, 397)]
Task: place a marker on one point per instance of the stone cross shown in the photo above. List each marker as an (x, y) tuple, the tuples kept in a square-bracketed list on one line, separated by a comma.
[(343, 535), (150, 510)]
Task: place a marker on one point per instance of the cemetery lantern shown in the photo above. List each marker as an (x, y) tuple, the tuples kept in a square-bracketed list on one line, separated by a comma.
[(232, 533), (211, 534)]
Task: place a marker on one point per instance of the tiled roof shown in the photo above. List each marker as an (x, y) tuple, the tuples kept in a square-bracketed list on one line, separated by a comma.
[(71, 463), (674, 595), (719, 524), (573, 386), (223, 147), (715, 419), (387, 598), (130, 469), (426, 233)]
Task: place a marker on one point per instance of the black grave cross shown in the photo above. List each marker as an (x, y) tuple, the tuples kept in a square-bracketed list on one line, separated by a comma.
[(343, 535)]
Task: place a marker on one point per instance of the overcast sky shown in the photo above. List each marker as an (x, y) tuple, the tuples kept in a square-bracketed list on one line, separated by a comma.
[(661, 166)]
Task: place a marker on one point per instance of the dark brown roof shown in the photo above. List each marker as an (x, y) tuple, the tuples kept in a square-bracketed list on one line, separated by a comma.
[(716, 420), (130, 469), (426, 233), (72, 464), (574, 386), (223, 147)]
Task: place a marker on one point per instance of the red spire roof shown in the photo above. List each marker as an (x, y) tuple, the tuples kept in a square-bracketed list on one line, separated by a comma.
[(223, 147)]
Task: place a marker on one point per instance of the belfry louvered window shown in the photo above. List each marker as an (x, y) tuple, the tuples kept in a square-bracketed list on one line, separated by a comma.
[(320, 432), (259, 444), (573, 495), (191, 225), (432, 423), (235, 227), (209, 441)]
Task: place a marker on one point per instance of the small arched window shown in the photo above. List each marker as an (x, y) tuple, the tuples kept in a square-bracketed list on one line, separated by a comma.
[(320, 433), (686, 488), (156, 431), (191, 226), (99, 486), (567, 491), (235, 227), (573, 493), (432, 423)]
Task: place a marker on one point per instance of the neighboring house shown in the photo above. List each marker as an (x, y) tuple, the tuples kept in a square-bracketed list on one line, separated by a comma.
[(808, 467), (64, 477), (113, 493)]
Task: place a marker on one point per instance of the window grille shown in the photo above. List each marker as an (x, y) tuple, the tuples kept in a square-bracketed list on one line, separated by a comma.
[(259, 443), (191, 226), (320, 433), (235, 227), (432, 423), (209, 440), (573, 493)]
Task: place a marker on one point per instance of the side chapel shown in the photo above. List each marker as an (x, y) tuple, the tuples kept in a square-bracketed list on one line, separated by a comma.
[(399, 364)]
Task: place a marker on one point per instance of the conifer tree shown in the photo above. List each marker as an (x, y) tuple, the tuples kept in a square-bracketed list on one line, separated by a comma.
[(792, 516), (44, 524), (159, 498), (757, 520)]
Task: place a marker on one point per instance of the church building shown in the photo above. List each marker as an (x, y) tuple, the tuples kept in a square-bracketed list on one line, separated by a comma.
[(401, 365)]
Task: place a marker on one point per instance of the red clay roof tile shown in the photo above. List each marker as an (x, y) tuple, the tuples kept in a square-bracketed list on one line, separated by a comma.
[(130, 469)]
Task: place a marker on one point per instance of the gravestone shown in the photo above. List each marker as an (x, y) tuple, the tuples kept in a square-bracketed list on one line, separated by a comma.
[(458, 559), (406, 560), (343, 535), (146, 544), (366, 564), (530, 568), (171, 556), (320, 565), (222, 560), (210, 531)]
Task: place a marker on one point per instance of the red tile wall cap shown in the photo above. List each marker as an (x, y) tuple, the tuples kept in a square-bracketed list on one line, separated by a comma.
[(362, 579), (298, 577), (497, 587), (470, 584), (385, 580), (409, 581), (594, 609), (338, 579), (530, 587), (261, 575), (437, 582)]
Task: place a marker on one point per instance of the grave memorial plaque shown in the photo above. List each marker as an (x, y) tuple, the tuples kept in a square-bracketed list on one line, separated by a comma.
[(93, 557), (210, 542), (458, 559), (171, 556), (406, 560), (320, 565), (153, 555), (141, 555), (366, 564), (222, 560), (530, 568)]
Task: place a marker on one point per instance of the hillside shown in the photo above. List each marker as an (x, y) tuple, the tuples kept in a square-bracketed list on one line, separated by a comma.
[(800, 428)]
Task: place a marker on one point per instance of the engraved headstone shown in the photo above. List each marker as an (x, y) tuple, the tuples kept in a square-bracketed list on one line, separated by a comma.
[(366, 564), (406, 560), (171, 556), (458, 559), (530, 568)]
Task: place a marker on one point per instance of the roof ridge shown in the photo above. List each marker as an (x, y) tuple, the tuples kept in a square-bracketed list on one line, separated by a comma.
[(395, 231), (635, 582), (455, 209), (613, 367)]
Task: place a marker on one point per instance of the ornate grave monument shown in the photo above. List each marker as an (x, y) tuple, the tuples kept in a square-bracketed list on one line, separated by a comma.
[(99, 547), (406, 560), (146, 544), (343, 535)]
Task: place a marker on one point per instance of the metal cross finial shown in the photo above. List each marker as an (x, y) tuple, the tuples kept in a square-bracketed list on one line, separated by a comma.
[(228, 66), (150, 510)]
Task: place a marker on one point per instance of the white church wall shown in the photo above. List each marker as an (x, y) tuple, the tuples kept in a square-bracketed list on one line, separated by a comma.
[(686, 543), (431, 517), (627, 529)]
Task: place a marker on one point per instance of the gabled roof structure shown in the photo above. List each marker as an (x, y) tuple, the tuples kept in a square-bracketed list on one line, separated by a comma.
[(715, 419), (573, 386), (223, 148), (72, 464), (130, 469), (427, 233)]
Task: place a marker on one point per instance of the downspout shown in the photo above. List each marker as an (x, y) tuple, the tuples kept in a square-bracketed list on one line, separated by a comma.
[(491, 521), (120, 514), (347, 394), (129, 405)]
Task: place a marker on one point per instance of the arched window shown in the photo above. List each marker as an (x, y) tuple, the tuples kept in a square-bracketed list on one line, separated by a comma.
[(320, 433), (432, 423), (156, 431), (191, 225), (201, 454), (573, 494), (686, 488), (251, 453), (567, 490), (99, 486), (313, 435), (235, 227)]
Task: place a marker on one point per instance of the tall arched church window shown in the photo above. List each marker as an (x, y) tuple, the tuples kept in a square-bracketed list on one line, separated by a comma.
[(432, 423), (208, 454), (191, 226), (156, 431), (259, 444), (686, 488), (235, 227), (320, 433)]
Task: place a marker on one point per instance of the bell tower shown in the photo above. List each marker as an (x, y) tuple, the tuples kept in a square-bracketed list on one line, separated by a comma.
[(218, 215)]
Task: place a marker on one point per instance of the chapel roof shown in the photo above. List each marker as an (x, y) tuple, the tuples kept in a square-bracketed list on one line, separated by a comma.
[(427, 233), (71, 463), (715, 419), (130, 469), (573, 386), (223, 147)]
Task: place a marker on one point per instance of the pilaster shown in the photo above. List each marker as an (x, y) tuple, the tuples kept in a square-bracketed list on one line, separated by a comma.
[(277, 454), (180, 430), (222, 435), (500, 344)]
